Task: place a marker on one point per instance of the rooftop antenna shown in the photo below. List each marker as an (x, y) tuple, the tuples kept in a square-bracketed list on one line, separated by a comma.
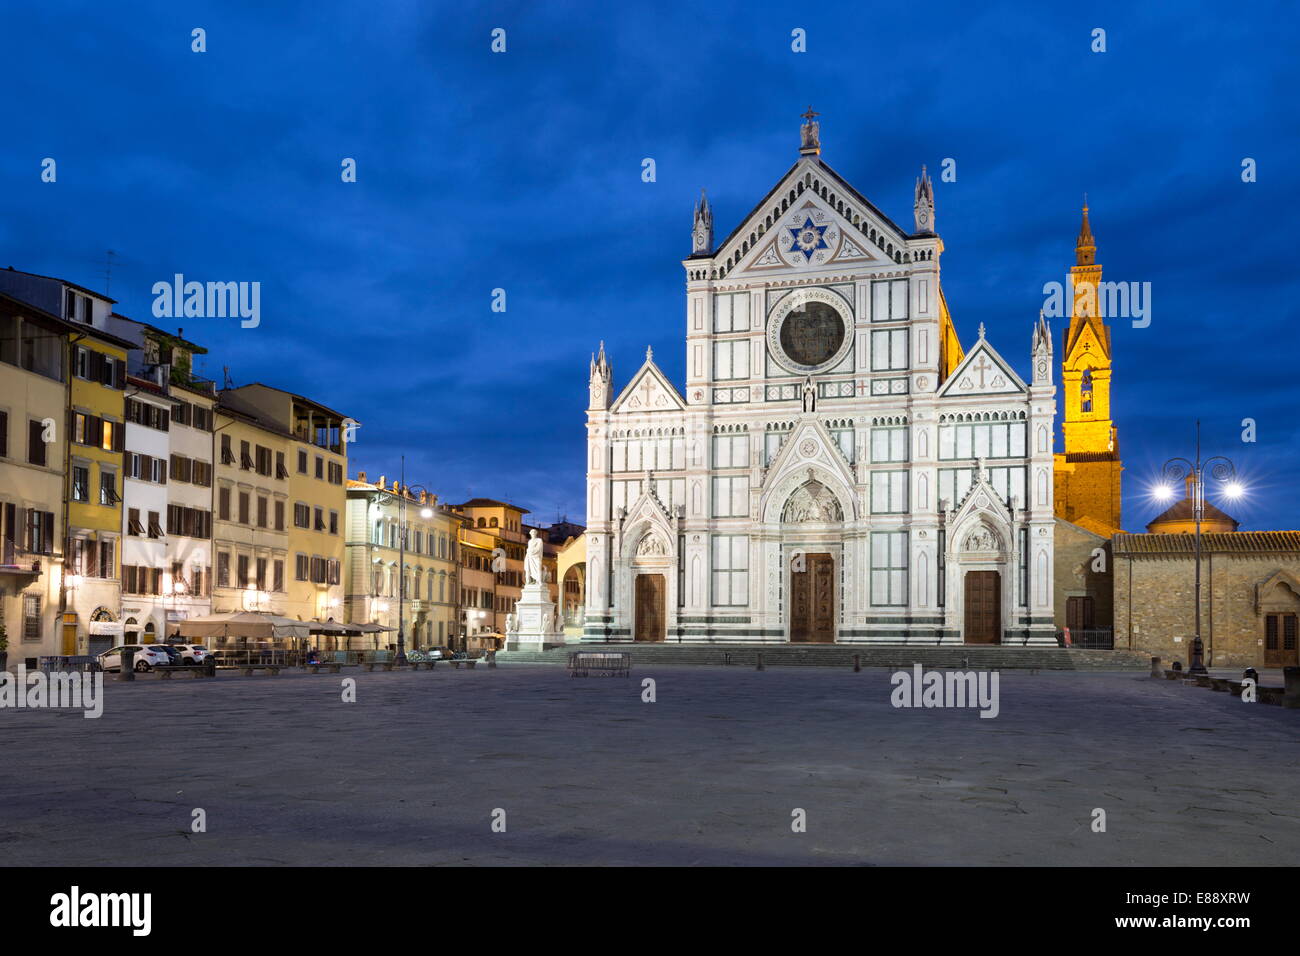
[(108, 272)]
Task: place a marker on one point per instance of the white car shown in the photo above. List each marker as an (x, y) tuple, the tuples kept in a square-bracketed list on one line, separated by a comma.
[(145, 656), (193, 653)]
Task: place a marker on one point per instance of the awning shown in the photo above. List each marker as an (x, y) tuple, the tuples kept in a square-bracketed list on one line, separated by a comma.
[(254, 624), (372, 628)]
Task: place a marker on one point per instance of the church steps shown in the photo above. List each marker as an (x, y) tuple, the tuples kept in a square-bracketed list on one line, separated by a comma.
[(786, 655)]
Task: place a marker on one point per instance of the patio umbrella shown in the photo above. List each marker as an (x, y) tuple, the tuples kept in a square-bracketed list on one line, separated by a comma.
[(254, 624)]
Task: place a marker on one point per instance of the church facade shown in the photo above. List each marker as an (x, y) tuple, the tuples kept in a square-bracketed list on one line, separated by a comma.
[(838, 468)]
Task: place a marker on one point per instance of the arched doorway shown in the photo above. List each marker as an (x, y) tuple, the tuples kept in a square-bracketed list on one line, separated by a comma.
[(812, 520)]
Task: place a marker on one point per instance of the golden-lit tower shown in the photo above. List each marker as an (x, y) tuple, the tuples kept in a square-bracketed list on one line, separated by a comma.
[(1088, 472)]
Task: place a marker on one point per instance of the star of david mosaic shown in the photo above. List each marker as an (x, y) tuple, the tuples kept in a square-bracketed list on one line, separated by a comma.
[(808, 239)]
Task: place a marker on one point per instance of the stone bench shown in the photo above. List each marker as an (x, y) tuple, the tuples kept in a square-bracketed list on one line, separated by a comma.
[(606, 663), (331, 666), (248, 669), (167, 671)]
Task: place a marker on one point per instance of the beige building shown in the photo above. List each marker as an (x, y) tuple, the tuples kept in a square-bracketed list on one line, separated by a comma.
[(427, 605), (1250, 596)]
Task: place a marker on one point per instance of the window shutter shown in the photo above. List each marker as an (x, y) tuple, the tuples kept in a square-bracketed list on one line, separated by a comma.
[(119, 433)]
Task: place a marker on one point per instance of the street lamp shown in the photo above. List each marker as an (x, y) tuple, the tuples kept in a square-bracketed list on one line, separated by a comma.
[(383, 498), (1221, 470)]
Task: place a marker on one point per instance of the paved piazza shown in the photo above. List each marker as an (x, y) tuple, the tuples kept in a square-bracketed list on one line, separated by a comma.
[(709, 774)]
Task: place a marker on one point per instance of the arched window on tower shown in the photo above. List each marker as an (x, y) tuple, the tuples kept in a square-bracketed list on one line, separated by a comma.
[(1085, 391)]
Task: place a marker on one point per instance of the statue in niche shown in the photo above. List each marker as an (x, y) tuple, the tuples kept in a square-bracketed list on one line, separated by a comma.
[(651, 545), (809, 395), (812, 502)]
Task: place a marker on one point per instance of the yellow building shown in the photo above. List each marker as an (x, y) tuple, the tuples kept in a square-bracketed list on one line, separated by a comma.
[(33, 399), (478, 590), (502, 535), (1087, 472), (426, 608), (250, 541), (291, 492)]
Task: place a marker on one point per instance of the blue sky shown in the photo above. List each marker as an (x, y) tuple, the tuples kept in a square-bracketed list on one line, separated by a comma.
[(522, 171)]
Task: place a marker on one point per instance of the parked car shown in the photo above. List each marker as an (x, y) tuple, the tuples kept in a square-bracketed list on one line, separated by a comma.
[(192, 653), (145, 656), (173, 655)]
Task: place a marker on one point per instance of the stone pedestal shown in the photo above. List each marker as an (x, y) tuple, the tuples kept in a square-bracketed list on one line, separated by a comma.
[(536, 625)]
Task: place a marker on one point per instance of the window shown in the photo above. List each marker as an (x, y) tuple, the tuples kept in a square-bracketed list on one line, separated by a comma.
[(263, 506), (133, 526), (107, 488), (320, 467), (731, 497), (80, 483), (320, 519), (241, 571), (279, 515), (301, 515), (889, 350), (263, 460), (77, 307), (1085, 391), (280, 470), (889, 444), (334, 528), (107, 553), (36, 443), (223, 569), (244, 512), (223, 504), (245, 456), (889, 300), (731, 312), (278, 572), (982, 440), (730, 570), (4, 434), (889, 568), (31, 618), (155, 530), (301, 567), (39, 531), (260, 577), (731, 451), (302, 462), (731, 359), (336, 473), (888, 492), (227, 456)]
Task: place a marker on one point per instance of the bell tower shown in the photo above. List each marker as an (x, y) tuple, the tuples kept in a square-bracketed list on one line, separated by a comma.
[(1088, 472)]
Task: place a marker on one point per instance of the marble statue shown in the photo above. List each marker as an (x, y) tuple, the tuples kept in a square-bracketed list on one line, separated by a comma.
[(533, 559)]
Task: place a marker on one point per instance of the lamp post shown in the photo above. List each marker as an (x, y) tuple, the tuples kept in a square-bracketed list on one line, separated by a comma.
[(1222, 470), (383, 498)]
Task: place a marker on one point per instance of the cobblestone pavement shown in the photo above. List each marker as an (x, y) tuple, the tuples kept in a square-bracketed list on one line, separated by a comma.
[(709, 774)]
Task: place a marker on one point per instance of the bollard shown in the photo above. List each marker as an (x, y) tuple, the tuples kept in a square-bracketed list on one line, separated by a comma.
[(857, 663), (760, 661), (1251, 673), (492, 658), (1156, 670), (1178, 666), (1198, 657), (125, 669), (1291, 691)]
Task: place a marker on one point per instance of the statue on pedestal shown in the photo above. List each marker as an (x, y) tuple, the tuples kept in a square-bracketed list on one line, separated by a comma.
[(533, 559)]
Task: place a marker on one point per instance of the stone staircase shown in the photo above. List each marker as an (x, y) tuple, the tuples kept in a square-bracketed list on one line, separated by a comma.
[(841, 655)]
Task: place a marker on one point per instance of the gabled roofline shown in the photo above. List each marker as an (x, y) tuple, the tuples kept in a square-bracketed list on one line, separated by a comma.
[(76, 328), (839, 180), (70, 285)]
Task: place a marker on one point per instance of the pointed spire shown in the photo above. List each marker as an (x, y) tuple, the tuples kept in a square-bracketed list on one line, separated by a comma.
[(981, 331), (649, 353), (702, 234), (1085, 247), (923, 205)]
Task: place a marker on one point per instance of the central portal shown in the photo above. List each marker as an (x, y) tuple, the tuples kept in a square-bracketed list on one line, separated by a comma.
[(651, 622), (812, 601), (983, 607)]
